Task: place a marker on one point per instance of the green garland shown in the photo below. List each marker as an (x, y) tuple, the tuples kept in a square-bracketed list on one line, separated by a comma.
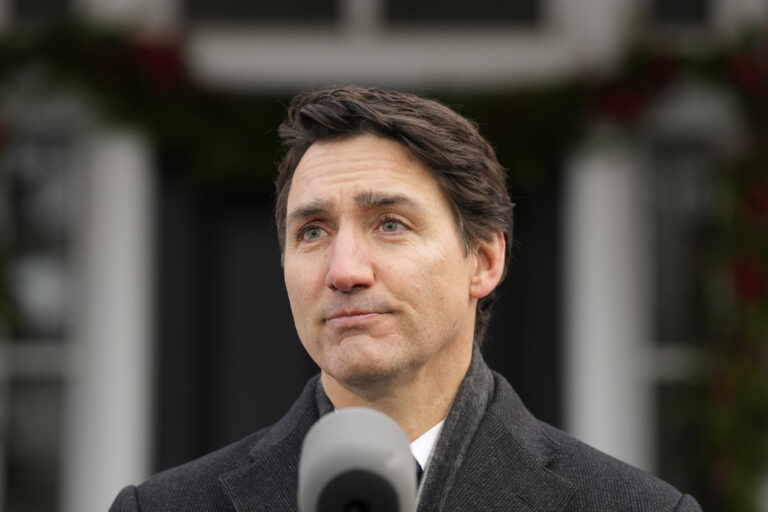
[(734, 408), (226, 141)]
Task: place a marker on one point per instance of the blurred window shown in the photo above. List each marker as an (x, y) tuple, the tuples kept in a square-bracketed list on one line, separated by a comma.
[(683, 177), (682, 188), (239, 11), (462, 13), (33, 445), (36, 207), (681, 12), (37, 234), (677, 444)]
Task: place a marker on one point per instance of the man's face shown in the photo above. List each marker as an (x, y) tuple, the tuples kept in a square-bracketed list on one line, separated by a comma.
[(378, 280)]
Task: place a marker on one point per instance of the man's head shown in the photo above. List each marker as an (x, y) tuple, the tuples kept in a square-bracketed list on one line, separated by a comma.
[(449, 147)]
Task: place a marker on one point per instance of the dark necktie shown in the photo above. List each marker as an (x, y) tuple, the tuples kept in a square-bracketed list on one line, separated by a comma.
[(419, 471)]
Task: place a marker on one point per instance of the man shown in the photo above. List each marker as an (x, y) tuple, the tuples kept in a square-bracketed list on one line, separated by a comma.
[(395, 223)]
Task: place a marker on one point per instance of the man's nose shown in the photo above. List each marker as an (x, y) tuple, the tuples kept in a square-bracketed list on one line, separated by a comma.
[(349, 265)]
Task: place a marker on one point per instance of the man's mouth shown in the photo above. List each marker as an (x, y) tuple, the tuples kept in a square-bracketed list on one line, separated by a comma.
[(352, 318)]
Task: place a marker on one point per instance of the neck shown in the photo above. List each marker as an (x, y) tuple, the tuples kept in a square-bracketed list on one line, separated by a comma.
[(417, 401)]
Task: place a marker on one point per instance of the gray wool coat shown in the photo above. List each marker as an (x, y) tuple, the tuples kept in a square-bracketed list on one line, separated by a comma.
[(492, 455)]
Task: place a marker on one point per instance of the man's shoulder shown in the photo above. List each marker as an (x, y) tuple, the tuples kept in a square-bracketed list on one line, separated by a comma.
[(610, 482), (214, 463), (199, 485), (193, 485), (599, 481)]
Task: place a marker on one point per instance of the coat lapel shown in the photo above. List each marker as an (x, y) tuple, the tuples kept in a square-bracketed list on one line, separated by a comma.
[(270, 480)]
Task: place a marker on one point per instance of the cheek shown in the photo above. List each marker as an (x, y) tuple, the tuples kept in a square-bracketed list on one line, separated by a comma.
[(438, 285), (296, 288), (451, 285)]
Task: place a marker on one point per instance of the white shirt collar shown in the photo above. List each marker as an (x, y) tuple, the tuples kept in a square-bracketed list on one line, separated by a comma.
[(422, 447)]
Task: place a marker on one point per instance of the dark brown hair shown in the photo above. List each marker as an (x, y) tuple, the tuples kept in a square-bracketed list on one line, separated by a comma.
[(462, 162)]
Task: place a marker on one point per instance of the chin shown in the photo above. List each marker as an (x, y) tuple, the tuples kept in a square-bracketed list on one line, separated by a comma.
[(362, 379), (363, 369)]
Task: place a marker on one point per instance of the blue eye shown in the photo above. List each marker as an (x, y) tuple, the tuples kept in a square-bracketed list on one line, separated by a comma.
[(390, 226), (312, 233)]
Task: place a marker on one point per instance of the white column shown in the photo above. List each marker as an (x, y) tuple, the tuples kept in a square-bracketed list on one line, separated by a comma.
[(608, 399), (107, 443)]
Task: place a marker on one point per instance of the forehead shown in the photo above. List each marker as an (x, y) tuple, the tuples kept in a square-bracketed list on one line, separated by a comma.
[(338, 170)]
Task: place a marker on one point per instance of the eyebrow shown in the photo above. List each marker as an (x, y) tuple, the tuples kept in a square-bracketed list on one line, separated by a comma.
[(367, 200), (364, 200), (309, 210)]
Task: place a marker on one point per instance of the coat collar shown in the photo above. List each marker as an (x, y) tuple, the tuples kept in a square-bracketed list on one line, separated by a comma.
[(491, 455), (510, 464)]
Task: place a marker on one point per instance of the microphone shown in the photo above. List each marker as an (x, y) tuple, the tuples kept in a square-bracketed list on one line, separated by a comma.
[(356, 460)]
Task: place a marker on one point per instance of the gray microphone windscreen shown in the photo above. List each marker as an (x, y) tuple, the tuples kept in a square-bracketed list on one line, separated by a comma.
[(356, 460)]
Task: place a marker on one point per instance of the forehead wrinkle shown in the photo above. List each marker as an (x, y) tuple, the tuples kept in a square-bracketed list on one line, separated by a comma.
[(363, 200)]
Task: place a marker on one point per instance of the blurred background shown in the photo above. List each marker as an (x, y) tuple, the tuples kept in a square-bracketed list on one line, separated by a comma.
[(143, 318)]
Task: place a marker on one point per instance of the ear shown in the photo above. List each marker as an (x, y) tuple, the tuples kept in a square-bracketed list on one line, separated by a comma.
[(489, 258)]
